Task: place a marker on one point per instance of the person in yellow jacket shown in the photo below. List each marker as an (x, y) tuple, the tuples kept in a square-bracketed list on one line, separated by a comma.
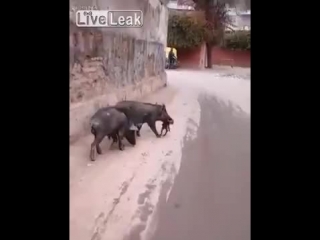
[(171, 57)]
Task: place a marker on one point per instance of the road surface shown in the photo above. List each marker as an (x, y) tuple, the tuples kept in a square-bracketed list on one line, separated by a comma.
[(192, 184)]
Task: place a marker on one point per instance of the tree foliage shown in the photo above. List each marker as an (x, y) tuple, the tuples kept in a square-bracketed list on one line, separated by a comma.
[(215, 11), (187, 31), (217, 19), (239, 40)]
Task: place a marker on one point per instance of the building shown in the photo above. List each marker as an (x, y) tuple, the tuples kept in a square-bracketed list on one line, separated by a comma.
[(197, 57), (241, 20), (174, 4)]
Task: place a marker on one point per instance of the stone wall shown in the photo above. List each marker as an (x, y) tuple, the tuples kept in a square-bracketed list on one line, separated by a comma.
[(108, 65)]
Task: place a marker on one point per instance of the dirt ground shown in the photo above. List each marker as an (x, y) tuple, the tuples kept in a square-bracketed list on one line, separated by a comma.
[(193, 183)]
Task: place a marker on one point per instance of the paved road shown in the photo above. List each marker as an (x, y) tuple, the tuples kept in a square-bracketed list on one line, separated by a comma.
[(192, 184), (210, 199)]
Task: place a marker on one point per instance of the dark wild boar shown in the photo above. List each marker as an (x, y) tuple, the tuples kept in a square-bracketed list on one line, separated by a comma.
[(139, 113), (112, 123)]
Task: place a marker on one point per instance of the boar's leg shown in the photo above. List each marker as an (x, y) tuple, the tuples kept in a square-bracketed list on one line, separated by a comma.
[(95, 146), (98, 149), (152, 125), (120, 136), (114, 138), (131, 137), (139, 128), (121, 145)]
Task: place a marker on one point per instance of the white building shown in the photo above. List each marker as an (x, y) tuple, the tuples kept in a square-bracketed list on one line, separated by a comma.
[(241, 20), (175, 5)]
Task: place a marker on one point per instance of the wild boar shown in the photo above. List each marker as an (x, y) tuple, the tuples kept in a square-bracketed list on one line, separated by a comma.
[(109, 122), (139, 113)]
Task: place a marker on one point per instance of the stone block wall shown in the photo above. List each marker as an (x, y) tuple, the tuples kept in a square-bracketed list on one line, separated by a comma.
[(108, 65)]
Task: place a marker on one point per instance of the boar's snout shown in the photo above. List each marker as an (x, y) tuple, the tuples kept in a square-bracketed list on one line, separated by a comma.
[(171, 121)]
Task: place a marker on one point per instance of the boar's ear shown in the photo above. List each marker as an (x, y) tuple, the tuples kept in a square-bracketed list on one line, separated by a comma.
[(163, 107)]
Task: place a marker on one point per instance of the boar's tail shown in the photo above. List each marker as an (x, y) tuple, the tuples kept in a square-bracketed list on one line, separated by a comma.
[(94, 126)]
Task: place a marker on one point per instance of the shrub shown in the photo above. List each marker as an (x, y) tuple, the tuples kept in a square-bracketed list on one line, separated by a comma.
[(239, 40), (187, 32)]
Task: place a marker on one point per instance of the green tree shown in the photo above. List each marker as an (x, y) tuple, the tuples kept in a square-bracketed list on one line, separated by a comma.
[(239, 40), (187, 31), (217, 19)]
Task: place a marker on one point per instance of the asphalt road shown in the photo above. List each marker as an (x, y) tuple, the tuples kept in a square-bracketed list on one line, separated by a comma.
[(193, 184), (210, 199)]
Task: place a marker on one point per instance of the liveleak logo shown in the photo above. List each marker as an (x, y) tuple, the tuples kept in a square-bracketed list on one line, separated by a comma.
[(110, 18)]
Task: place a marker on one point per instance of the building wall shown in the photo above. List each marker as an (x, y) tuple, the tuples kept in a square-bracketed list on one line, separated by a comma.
[(222, 56), (108, 65)]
